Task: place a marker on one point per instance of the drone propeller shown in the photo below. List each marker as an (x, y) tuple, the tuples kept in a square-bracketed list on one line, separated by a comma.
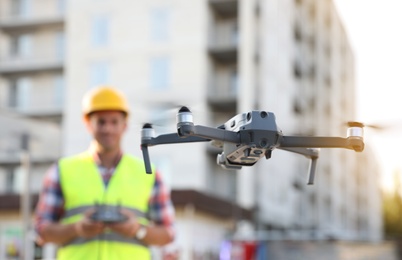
[(175, 105), (376, 127), (355, 124), (162, 116), (167, 111)]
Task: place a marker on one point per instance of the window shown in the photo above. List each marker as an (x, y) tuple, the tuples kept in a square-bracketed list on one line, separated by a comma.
[(10, 176), (297, 70), (100, 30), (21, 8), (12, 95), (61, 6), (14, 179), (235, 34), (18, 179), (99, 73), (159, 24), (24, 92), (297, 106), (58, 90), (21, 45), (297, 32), (160, 73), (234, 82), (19, 93), (60, 45)]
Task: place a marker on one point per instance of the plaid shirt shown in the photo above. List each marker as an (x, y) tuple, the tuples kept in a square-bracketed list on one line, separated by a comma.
[(50, 207)]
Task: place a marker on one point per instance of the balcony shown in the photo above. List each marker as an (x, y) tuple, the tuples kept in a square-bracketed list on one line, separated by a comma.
[(13, 23), (36, 101), (44, 139), (13, 161), (15, 65), (49, 113), (222, 98), (225, 8), (223, 54), (224, 41)]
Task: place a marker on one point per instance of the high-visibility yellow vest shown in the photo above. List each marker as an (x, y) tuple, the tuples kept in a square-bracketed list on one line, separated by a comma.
[(82, 187)]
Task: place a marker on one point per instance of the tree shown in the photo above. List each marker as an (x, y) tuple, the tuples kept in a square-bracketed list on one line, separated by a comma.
[(392, 209)]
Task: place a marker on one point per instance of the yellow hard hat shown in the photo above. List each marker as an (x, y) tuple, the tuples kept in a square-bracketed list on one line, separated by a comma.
[(104, 98)]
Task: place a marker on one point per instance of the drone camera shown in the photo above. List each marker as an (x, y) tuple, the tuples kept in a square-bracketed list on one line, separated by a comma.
[(222, 161), (256, 141)]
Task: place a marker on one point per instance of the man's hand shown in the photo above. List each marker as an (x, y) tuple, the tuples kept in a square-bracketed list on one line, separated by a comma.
[(88, 228), (127, 228)]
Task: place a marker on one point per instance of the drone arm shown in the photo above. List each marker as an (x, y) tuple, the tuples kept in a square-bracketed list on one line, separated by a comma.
[(352, 143), (209, 133), (164, 139), (310, 141), (171, 139)]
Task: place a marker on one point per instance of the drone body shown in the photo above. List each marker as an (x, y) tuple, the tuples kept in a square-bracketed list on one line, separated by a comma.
[(258, 135), (247, 137)]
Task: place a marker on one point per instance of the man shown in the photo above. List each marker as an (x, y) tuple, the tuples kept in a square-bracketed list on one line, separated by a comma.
[(107, 176)]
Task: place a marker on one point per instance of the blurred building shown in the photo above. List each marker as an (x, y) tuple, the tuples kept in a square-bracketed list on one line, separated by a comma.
[(220, 58), (31, 100), (32, 57)]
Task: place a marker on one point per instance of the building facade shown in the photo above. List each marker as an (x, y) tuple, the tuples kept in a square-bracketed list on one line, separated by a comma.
[(220, 58), (32, 46)]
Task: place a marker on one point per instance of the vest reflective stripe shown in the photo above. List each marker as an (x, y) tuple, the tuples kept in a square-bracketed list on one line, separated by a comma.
[(111, 237), (79, 210), (82, 186)]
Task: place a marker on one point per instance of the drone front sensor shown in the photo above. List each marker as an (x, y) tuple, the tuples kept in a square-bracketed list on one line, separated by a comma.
[(247, 137)]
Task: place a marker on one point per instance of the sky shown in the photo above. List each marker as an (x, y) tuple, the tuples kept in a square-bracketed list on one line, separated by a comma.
[(374, 31)]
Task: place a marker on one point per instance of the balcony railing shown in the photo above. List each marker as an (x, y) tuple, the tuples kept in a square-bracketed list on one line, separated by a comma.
[(228, 8), (12, 161), (49, 111), (224, 49), (223, 97), (12, 23), (18, 64), (223, 54), (224, 41)]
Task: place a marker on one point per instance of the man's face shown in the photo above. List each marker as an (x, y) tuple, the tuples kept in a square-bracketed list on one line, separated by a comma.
[(107, 128)]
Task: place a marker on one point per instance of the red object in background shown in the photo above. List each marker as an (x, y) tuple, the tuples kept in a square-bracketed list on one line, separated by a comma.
[(249, 250), (243, 250)]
